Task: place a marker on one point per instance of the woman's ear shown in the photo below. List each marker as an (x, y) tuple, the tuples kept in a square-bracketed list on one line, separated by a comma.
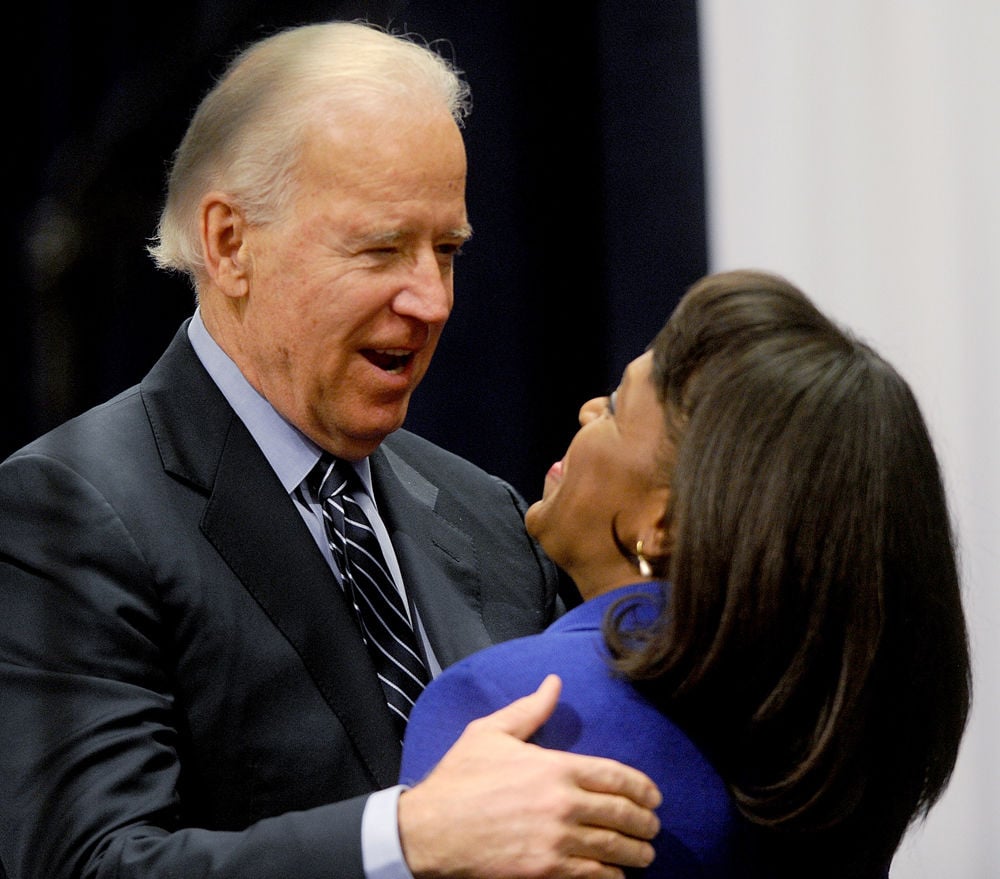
[(224, 244), (657, 537)]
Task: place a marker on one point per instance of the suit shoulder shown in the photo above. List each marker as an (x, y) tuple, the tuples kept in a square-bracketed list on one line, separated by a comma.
[(94, 434), (435, 462)]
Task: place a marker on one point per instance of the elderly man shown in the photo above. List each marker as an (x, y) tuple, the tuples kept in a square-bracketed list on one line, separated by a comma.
[(202, 675)]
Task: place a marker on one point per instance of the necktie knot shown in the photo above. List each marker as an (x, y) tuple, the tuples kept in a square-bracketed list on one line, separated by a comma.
[(329, 478)]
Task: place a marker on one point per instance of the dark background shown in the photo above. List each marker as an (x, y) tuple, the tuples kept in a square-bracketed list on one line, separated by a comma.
[(585, 191)]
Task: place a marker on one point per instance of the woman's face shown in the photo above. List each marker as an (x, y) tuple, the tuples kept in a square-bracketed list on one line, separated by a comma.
[(613, 472)]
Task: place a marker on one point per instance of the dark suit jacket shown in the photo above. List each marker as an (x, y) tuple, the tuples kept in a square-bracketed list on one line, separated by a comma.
[(176, 658)]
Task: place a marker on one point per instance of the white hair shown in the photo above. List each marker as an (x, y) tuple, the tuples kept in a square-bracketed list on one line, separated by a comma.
[(246, 136)]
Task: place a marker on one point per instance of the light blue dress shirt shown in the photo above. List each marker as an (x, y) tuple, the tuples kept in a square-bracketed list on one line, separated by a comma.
[(292, 456)]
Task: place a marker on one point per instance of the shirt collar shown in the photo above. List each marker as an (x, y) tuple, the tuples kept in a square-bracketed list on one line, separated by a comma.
[(290, 452)]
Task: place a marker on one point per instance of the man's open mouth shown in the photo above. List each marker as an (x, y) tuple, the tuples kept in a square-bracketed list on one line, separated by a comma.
[(392, 360)]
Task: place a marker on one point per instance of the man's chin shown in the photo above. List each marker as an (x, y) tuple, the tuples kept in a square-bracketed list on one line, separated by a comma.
[(361, 441)]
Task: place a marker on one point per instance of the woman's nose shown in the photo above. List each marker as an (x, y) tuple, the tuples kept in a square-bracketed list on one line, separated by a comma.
[(592, 409)]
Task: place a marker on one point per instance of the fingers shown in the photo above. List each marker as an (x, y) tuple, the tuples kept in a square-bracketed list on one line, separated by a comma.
[(601, 775), (599, 832), (516, 833), (614, 815), (607, 852), (524, 716), (611, 795)]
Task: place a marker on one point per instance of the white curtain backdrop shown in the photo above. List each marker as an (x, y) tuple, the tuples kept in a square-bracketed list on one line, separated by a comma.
[(854, 147)]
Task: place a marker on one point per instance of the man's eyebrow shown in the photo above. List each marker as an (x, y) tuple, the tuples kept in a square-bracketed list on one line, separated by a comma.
[(378, 238), (388, 237)]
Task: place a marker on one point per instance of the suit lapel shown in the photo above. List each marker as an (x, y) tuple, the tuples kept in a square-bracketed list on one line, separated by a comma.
[(255, 527), (436, 557)]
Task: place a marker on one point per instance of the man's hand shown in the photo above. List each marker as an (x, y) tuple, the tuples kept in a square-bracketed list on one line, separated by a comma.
[(496, 807)]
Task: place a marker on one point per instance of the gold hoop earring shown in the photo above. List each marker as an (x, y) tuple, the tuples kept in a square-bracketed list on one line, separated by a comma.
[(645, 568)]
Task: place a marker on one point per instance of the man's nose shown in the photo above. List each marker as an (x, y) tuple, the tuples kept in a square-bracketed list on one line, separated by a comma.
[(428, 293)]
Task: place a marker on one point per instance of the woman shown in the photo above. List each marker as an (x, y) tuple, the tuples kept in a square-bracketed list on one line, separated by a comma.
[(772, 626)]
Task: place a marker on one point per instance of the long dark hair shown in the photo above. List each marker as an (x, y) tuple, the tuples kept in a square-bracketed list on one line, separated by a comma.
[(814, 642)]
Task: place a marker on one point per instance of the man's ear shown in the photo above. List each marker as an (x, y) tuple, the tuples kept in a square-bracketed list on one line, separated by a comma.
[(224, 244)]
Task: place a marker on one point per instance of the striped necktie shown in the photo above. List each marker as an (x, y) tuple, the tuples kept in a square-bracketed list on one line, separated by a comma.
[(380, 609)]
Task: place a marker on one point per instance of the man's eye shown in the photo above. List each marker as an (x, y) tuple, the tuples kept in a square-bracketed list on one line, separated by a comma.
[(612, 402)]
